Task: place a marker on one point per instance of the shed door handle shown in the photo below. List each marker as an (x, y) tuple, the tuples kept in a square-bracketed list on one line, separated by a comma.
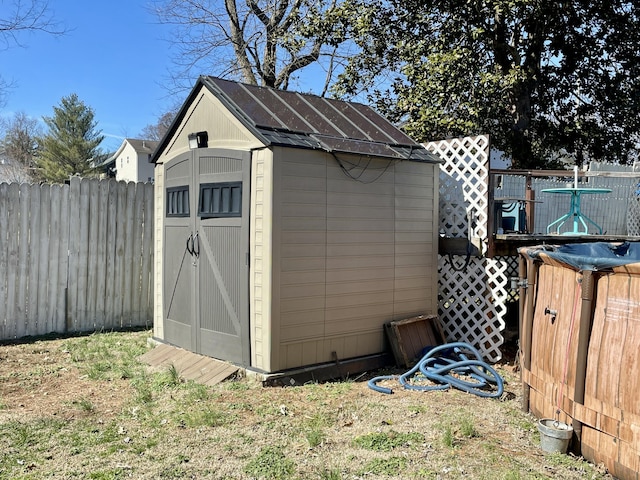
[(196, 245), (190, 244)]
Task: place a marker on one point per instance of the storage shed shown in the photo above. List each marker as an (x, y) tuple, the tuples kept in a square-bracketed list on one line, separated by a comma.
[(289, 228), (579, 339)]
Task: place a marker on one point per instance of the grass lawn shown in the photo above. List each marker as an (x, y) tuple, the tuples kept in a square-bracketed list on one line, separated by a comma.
[(86, 408)]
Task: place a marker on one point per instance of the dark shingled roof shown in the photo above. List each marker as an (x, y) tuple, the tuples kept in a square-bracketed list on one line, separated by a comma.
[(143, 146), (280, 117)]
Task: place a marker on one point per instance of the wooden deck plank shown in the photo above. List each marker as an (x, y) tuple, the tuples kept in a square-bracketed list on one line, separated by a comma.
[(195, 368), (158, 355), (212, 373), (191, 366), (182, 359), (218, 374)]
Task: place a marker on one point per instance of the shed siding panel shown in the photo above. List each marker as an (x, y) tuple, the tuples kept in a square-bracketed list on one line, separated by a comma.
[(302, 277), (300, 332), (360, 256), (359, 275), (416, 257), (301, 290), (311, 316), (364, 286), (355, 253), (302, 255), (347, 300), (359, 262), (366, 227), (355, 199), (358, 317), (347, 250)]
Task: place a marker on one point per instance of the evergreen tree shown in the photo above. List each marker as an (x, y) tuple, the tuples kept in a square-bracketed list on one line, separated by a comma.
[(71, 143)]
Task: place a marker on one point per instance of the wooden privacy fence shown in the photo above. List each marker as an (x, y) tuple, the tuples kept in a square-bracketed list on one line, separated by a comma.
[(75, 257)]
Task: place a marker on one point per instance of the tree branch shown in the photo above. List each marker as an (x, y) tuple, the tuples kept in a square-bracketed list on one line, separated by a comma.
[(29, 16)]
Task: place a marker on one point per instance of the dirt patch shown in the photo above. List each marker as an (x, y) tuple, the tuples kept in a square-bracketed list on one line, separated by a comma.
[(40, 378)]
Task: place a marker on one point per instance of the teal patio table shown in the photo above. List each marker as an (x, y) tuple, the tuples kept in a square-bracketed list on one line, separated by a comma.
[(575, 213)]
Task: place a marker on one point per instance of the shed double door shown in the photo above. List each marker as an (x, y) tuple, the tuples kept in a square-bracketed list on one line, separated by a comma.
[(206, 265)]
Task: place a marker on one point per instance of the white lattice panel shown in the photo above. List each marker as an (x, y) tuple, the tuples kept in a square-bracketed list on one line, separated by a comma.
[(472, 299), (453, 219), (464, 177), (633, 212), (510, 270)]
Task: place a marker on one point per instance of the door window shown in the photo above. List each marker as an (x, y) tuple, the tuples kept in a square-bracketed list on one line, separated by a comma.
[(178, 201), (220, 200)]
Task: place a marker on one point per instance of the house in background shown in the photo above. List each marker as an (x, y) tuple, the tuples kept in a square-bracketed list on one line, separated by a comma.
[(131, 160)]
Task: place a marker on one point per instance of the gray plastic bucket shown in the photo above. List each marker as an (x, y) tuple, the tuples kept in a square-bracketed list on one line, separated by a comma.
[(554, 436)]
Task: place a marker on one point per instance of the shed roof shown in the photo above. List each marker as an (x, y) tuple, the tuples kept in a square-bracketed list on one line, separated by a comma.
[(285, 118)]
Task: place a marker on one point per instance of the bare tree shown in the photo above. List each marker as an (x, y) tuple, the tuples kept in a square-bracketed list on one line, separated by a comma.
[(18, 147), (260, 42), (157, 130), (19, 17), (12, 173)]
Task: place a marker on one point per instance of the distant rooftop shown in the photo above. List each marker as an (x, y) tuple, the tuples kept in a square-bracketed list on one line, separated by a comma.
[(142, 146)]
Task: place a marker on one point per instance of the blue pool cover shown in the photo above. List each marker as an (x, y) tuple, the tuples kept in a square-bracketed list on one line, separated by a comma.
[(595, 256)]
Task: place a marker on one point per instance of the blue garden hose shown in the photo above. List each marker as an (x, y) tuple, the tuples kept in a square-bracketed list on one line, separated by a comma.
[(444, 372)]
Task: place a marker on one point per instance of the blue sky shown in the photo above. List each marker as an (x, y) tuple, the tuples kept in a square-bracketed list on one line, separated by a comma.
[(114, 57)]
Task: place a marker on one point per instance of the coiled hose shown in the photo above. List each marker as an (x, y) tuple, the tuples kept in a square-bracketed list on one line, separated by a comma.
[(445, 372)]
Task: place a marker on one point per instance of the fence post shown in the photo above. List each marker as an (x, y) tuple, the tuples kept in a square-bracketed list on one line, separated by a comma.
[(530, 206)]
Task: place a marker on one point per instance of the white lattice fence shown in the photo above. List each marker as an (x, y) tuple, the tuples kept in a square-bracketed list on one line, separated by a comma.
[(633, 215), (472, 299), (464, 180)]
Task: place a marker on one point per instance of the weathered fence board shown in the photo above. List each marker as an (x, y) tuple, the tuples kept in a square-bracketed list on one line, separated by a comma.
[(118, 286), (111, 254), (4, 224), (128, 262), (75, 257), (146, 275), (13, 235), (60, 316), (39, 296), (35, 214), (23, 266)]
